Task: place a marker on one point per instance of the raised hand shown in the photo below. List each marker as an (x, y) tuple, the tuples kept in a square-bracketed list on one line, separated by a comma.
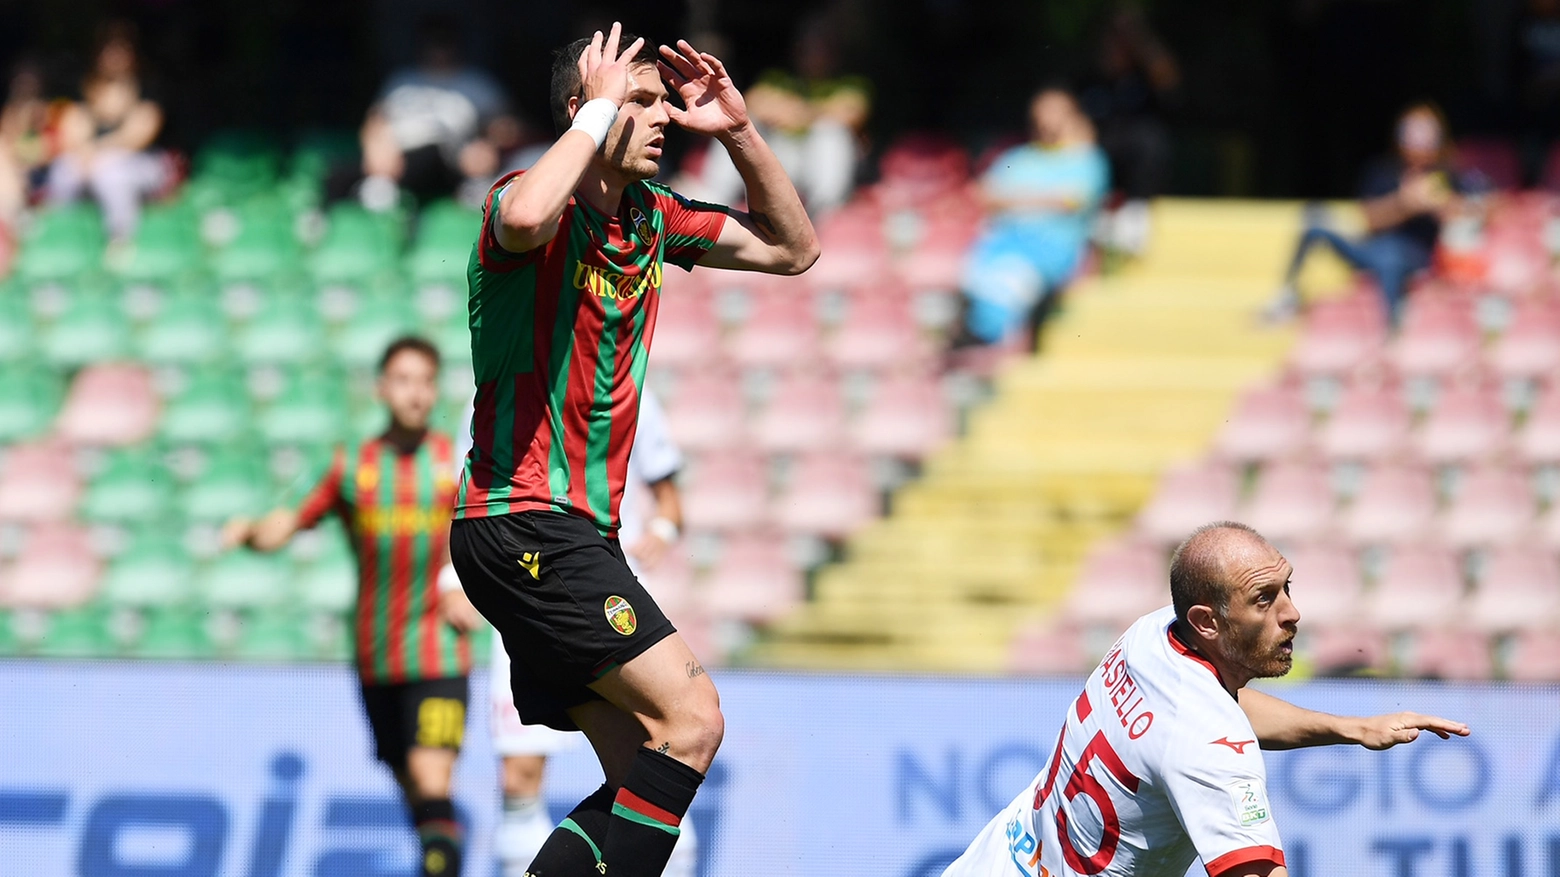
[(713, 105), (604, 70), (1385, 732)]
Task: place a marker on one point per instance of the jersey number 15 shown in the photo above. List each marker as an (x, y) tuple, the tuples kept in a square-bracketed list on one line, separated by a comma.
[(1083, 783)]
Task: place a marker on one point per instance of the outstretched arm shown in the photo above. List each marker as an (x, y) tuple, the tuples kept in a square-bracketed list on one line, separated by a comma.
[(270, 533), (774, 235), (1282, 725)]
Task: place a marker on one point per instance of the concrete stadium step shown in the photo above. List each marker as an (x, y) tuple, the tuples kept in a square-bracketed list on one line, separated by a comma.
[(1137, 372)]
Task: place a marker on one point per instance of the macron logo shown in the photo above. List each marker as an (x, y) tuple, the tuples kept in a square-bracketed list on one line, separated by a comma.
[(1238, 745)]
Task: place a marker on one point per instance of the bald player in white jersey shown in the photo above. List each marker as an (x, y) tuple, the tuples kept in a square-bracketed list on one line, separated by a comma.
[(1158, 761)]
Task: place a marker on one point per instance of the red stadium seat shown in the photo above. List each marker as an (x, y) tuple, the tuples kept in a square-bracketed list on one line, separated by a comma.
[(55, 570), (706, 412), (1494, 506), (1531, 347), (1327, 583), (1421, 586), (687, 332), (1370, 422), (1049, 649), (1268, 423), (1187, 498), (1340, 334), (1343, 648), (1396, 504), (1439, 335), (804, 414), (1292, 501), (1538, 441), (1450, 652), (110, 406), (670, 582), (780, 331), (1534, 656), (879, 332), (1519, 589), (1496, 162), (827, 494), (906, 417), (725, 491), (38, 483), (753, 581), (1120, 581), (1467, 423), (854, 250)]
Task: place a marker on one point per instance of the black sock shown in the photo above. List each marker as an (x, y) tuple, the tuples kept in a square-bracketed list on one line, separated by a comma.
[(574, 847), (646, 813), (440, 836)]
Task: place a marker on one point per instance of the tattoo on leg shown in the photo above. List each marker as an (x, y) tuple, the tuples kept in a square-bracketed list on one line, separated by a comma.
[(694, 670), (664, 747)]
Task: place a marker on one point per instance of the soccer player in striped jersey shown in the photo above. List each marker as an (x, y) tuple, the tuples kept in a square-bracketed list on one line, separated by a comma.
[(565, 281), (394, 493)]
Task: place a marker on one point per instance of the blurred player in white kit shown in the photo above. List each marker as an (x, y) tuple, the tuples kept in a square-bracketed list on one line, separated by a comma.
[(1158, 761), (651, 518)]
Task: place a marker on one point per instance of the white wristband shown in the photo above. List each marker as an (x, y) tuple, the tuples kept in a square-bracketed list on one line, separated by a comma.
[(595, 118), (448, 580), (663, 529)]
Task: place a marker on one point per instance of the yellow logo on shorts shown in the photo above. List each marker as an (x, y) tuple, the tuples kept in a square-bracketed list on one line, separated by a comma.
[(621, 616), (531, 562)]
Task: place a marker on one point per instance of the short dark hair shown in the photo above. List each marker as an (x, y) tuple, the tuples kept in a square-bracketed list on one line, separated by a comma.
[(414, 343), (1197, 570), (566, 74)]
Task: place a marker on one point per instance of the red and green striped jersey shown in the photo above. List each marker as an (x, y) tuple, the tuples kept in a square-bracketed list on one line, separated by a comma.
[(559, 339), (396, 508)]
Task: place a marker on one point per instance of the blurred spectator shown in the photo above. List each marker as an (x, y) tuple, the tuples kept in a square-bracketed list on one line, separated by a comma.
[(105, 140), (1040, 199), (25, 148), (1404, 197), (814, 118), (1136, 79), (1538, 38), (438, 129)]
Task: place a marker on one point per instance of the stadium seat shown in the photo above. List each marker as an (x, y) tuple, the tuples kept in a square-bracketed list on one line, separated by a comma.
[(56, 569), (87, 332), (173, 633), (29, 398), (263, 248), (328, 584), (166, 244), (62, 243), (853, 250), (671, 583), (1493, 506), (134, 487), (827, 494), (1396, 503), (364, 338), (1530, 348), (1534, 656), (271, 637), (308, 412), (1328, 585), (1494, 162), (245, 580), (38, 483), (285, 332), (1344, 649), (1370, 422), (190, 330), (1120, 580), (1049, 649), (357, 244), (706, 412), (1538, 441), (879, 332), (780, 331), (907, 417), (1421, 586), (753, 581), (18, 340), (75, 633), (687, 331), (1519, 589), (1450, 652), (446, 232), (109, 406), (1438, 336), (1268, 423), (1339, 335), (1292, 501), (1468, 423), (725, 491), (1188, 497), (214, 408), (229, 487), (804, 414), (152, 573)]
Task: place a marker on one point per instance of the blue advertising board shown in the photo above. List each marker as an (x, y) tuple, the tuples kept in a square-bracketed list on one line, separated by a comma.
[(134, 770)]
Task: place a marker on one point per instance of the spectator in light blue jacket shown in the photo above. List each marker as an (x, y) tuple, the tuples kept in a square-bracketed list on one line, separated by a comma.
[(1041, 199)]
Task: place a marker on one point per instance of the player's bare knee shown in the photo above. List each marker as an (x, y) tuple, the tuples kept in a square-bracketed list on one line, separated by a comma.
[(696, 734)]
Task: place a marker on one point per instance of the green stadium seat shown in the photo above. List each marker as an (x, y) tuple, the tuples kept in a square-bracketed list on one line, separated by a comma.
[(286, 331), (77, 633), (29, 399), (17, 337), (328, 585), (134, 487), (63, 242), (152, 573), (307, 413), (246, 579), (317, 151), (362, 341), (357, 244), (166, 244), (89, 331), (229, 487), (9, 645), (187, 331), (214, 408), (265, 244), (241, 162), (444, 239), (173, 633), (272, 636)]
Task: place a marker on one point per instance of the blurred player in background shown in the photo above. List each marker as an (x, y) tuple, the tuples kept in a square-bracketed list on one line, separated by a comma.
[(1158, 762), (565, 282), (650, 524), (394, 493)]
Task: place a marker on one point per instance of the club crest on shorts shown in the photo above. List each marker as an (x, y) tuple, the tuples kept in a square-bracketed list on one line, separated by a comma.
[(621, 616)]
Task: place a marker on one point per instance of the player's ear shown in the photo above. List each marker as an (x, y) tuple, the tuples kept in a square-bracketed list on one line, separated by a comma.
[(574, 105), (1203, 621)]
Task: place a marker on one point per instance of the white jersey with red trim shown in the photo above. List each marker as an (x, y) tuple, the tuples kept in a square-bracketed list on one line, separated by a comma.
[(1155, 766)]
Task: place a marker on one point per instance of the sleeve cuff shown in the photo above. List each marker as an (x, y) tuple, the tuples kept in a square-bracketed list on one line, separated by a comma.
[(1245, 857)]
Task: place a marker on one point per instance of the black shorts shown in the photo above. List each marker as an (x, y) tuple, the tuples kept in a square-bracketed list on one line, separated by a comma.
[(428, 712), (564, 600)]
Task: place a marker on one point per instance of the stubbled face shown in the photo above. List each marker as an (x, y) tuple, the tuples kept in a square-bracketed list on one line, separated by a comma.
[(633, 146), (409, 387), (1259, 629)]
